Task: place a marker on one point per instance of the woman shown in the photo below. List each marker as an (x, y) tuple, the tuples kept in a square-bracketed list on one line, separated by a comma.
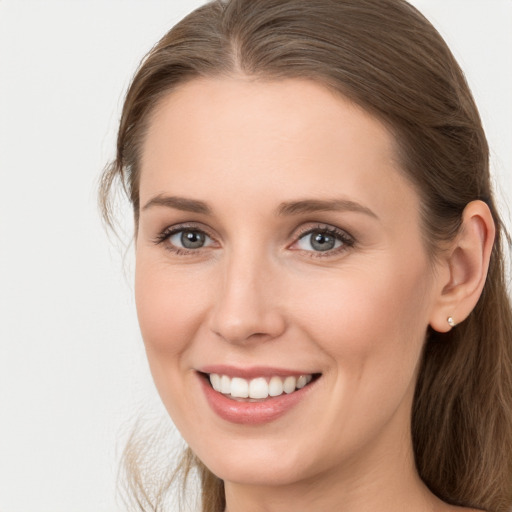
[(319, 277)]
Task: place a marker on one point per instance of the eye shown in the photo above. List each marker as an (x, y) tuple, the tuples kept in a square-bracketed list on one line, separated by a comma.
[(324, 240), (183, 240), (189, 239)]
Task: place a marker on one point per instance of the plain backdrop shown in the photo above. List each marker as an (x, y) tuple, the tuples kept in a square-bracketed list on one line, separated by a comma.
[(72, 371)]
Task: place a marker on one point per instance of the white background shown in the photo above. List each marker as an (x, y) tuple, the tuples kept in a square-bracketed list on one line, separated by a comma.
[(72, 369)]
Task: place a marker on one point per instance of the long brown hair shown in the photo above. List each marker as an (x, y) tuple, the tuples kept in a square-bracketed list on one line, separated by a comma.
[(387, 58)]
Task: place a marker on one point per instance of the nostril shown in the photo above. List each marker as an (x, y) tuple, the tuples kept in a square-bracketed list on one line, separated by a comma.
[(240, 336)]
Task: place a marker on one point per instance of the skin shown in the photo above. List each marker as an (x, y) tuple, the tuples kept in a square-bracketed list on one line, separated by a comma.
[(259, 294)]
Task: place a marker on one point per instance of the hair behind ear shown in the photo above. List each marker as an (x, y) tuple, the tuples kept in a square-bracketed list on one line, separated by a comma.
[(462, 416)]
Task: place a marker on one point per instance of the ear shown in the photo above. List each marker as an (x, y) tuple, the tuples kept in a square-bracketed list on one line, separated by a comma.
[(464, 268)]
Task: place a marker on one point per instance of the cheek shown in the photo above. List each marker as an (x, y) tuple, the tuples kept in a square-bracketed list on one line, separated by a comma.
[(169, 310), (377, 314), (371, 324)]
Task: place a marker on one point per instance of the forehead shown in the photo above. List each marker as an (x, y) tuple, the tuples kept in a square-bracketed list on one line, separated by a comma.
[(290, 137)]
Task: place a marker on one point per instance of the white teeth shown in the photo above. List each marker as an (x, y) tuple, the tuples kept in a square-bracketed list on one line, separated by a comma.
[(301, 382), (239, 388), (215, 381), (258, 388), (225, 385), (275, 386), (289, 385)]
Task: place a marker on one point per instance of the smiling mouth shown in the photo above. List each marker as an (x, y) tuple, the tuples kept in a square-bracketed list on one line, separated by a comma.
[(259, 388)]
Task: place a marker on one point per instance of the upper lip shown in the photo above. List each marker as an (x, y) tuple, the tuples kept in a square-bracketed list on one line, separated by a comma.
[(252, 371)]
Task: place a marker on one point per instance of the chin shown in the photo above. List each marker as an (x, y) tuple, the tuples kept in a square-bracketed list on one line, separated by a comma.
[(263, 474), (258, 462)]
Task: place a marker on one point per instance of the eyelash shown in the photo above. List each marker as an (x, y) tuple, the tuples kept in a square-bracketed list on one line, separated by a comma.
[(347, 241), (167, 233)]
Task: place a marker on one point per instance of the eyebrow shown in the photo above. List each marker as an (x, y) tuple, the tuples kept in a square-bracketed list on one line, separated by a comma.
[(179, 203), (318, 205), (288, 208)]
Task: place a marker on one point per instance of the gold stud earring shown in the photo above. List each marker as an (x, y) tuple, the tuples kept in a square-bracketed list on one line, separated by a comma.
[(451, 321)]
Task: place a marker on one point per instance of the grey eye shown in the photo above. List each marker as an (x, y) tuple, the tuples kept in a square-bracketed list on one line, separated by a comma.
[(318, 241), (189, 239)]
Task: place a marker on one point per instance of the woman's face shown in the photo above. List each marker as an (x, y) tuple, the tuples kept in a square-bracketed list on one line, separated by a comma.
[(278, 240)]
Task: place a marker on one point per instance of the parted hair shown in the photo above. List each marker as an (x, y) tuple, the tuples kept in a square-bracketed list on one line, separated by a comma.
[(384, 56)]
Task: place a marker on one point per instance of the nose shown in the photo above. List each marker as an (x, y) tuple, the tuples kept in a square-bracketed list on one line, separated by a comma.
[(247, 303)]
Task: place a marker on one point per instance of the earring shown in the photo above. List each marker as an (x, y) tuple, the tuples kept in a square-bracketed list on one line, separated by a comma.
[(451, 321)]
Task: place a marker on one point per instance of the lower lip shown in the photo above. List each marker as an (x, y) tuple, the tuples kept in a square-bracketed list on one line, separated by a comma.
[(252, 413)]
